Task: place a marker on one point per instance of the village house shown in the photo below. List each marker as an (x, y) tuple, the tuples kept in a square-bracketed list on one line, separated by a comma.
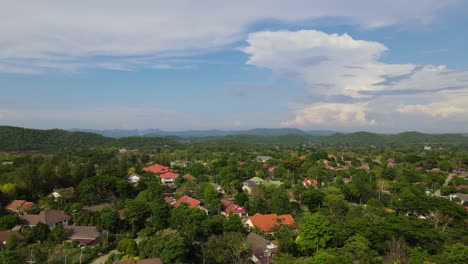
[(192, 202), (189, 177), (310, 182), (263, 158), (99, 207), (85, 235), (168, 178), (20, 206), (232, 208), (134, 178), (262, 249), (157, 169), (64, 193), (4, 235), (270, 222), (49, 217)]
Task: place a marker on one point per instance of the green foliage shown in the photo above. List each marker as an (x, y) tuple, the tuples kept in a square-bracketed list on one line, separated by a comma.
[(8, 221), (171, 247), (99, 189), (457, 253), (314, 233), (313, 199)]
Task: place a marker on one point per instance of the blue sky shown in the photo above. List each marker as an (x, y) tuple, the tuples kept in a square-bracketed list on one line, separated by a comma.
[(385, 67)]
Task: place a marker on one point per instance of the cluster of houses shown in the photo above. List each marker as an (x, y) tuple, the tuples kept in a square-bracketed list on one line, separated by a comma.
[(262, 249), (84, 235)]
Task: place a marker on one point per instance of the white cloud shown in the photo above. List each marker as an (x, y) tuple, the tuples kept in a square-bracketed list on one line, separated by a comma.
[(72, 30), (329, 63), (330, 114)]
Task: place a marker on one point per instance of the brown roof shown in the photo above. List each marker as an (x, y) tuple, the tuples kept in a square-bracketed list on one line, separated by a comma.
[(192, 202), (5, 234), (19, 205), (98, 208), (269, 222), (46, 217), (189, 177), (141, 261), (81, 232), (257, 243)]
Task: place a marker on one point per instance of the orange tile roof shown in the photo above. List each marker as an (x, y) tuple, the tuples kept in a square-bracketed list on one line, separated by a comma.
[(15, 205), (269, 222), (187, 199), (169, 175), (157, 169)]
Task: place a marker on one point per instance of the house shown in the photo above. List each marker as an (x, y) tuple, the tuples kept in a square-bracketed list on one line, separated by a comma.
[(6, 163), (310, 182), (189, 177), (49, 217), (85, 235), (262, 249), (192, 202), (140, 261), (270, 222), (156, 169), (232, 208), (179, 163), (347, 180), (123, 150), (349, 164), (134, 178), (168, 177), (4, 235), (264, 158), (99, 207), (461, 187), (247, 186), (65, 193), (272, 169), (463, 197), (20, 206), (364, 167)]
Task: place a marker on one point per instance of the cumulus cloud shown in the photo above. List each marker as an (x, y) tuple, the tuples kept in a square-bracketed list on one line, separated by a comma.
[(327, 114), (334, 66), (70, 31)]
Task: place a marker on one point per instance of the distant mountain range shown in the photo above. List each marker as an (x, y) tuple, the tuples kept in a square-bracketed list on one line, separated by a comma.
[(119, 133)]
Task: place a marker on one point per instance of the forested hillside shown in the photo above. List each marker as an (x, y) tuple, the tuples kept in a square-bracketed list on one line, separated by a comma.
[(23, 139)]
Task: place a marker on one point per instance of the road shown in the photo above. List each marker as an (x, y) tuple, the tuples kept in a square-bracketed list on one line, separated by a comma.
[(103, 259)]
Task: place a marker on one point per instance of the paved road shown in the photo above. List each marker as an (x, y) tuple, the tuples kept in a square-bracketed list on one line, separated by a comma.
[(103, 259)]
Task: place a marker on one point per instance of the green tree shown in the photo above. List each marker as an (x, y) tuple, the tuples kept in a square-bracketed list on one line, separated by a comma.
[(136, 212), (313, 199), (314, 233), (457, 253)]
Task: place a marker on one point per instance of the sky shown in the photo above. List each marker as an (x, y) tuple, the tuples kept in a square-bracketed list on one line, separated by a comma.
[(364, 65)]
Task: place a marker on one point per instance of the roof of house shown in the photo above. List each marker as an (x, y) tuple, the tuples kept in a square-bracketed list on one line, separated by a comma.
[(256, 243), (48, 217), (310, 182), (157, 169), (5, 234), (169, 175), (230, 207), (257, 180), (65, 193), (269, 222), (187, 199), (81, 232), (189, 177), (140, 261), (15, 205), (264, 158), (98, 208)]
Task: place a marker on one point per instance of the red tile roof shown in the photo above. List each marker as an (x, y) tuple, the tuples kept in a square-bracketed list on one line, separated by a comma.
[(156, 169), (169, 175), (15, 205), (230, 207), (187, 199), (310, 182), (269, 222)]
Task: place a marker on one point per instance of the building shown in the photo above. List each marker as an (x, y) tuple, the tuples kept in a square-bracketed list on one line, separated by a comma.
[(99, 207), (264, 158), (192, 202), (262, 249), (49, 217), (270, 222), (157, 169), (85, 235), (232, 208), (64, 193), (189, 177), (20, 206), (4, 235), (310, 183), (134, 178), (169, 177)]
